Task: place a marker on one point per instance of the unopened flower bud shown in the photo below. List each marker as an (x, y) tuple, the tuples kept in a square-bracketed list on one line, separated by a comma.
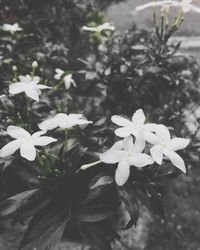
[(35, 64), (14, 68)]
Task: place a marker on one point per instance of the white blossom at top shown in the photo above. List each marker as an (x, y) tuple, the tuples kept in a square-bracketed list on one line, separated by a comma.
[(63, 121), (12, 28), (186, 5), (165, 146), (29, 85), (100, 28), (25, 142), (136, 127), (68, 80), (126, 154)]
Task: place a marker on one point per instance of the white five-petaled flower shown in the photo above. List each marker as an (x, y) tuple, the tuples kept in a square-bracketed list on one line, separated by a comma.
[(68, 80), (12, 28), (63, 121), (29, 85), (186, 5), (165, 146), (136, 127), (100, 28), (25, 142), (126, 154)]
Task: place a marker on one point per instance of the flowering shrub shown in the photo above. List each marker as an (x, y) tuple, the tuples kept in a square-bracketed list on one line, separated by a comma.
[(72, 170)]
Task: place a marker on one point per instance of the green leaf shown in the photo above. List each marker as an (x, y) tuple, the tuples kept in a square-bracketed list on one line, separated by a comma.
[(13, 203), (129, 198), (95, 213), (46, 228)]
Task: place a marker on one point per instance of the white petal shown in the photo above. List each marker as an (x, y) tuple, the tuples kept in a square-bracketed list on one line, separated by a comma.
[(25, 79), (17, 132), (117, 145), (113, 156), (122, 172), (75, 116), (176, 160), (120, 121), (151, 127), (124, 132), (163, 133), (43, 140), (49, 124), (42, 86), (128, 144), (16, 88), (138, 118), (151, 138), (36, 79), (59, 71), (33, 94), (178, 144), (157, 153), (38, 134), (141, 160), (194, 8), (10, 148), (28, 151), (139, 144)]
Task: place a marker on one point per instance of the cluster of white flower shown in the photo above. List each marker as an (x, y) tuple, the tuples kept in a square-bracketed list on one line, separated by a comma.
[(126, 153), (185, 5), (68, 80), (12, 28)]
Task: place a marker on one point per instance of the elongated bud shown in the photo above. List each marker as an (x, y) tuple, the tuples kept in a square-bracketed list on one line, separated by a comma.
[(34, 64), (14, 68)]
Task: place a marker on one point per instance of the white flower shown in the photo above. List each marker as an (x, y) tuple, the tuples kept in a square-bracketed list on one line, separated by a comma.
[(12, 28), (136, 127), (186, 5), (29, 85), (68, 80), (63, 121), (165, 146), (126, 154), (59, 73), (100, 28), (25, 142)]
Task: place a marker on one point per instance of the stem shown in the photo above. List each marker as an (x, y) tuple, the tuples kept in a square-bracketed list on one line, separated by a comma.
[(66, 141), (58, 85)]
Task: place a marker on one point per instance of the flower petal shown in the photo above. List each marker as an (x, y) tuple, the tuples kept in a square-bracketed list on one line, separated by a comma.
[(163, 133), (122, 172), (10, 148), (138, 118), (43, 140), (157, 153), (139, 144), (33, 94), (178, 144), (151, 138), (176, 160), (124, 132), (49, 124), (120, 121), (17, 132), (38, 134), (17, 87), (113, 156), (141, 160), (128, 144), (28, 151), (42, 86)]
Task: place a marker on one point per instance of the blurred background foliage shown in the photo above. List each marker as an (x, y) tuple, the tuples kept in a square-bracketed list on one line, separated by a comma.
[(115, 74)]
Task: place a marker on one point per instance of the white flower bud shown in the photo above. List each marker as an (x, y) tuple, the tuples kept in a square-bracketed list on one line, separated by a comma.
[(34, 64), (14, 68)]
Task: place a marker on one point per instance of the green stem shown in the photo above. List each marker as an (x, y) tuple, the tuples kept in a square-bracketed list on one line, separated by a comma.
[(66, 141), (58, 85)]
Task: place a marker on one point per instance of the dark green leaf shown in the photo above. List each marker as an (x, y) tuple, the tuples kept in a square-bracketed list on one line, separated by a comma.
[(13, 203), (129, 198)]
